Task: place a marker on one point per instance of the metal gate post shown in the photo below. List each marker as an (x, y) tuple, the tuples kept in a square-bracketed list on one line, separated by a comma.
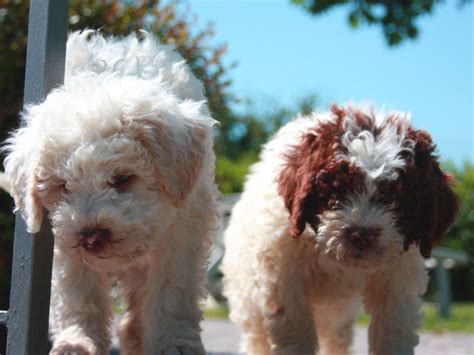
[(27, 318)]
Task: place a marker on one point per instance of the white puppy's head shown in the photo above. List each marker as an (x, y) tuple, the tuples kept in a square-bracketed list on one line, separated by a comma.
[(369, 186), (112, 159)]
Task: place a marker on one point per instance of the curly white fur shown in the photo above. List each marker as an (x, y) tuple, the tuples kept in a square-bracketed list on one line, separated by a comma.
[(295, 296), (128, 107)]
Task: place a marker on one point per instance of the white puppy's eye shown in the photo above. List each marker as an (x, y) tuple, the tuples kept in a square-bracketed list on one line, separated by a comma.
[(121, 181), (63, 188)]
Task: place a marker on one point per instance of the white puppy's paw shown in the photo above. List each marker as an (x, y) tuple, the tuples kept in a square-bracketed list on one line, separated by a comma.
[(76, 347), (74, 341)]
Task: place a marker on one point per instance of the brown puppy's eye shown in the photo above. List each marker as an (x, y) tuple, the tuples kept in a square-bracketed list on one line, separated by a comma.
[(333, 203), (121, 181)]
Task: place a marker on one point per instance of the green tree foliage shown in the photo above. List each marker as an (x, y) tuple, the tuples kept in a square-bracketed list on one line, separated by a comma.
[(461, 234), (397, 18)]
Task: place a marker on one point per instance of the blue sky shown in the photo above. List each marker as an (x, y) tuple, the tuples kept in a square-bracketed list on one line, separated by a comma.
[(284, 54)]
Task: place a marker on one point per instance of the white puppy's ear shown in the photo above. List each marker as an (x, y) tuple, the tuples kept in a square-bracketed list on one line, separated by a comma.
[(178, 148), (20, 166)]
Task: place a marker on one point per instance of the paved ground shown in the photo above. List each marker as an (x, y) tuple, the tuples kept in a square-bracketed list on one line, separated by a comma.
[(222, 337)]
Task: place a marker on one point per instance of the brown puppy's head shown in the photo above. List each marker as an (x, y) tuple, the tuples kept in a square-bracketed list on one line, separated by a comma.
[(369, 185)]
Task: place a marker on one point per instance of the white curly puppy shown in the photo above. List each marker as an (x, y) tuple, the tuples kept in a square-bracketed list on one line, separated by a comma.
[(341, 210), (121, 157)]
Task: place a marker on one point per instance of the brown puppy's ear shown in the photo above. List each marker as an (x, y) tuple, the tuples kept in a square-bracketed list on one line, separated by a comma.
[(436, 203), (178, 153), (20, 172), (296, 183), (445, 209), (305, 164)]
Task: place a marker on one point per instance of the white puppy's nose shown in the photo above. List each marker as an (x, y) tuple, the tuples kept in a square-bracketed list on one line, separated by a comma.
[(94, 240)]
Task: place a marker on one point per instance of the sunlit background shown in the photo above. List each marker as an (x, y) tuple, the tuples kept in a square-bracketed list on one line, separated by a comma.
[(284, 53)]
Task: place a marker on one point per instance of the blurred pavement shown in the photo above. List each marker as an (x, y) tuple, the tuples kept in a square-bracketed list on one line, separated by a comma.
[(222, 337)]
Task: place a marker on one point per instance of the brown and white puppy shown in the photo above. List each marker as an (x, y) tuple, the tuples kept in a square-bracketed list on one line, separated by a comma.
[(341, 210)]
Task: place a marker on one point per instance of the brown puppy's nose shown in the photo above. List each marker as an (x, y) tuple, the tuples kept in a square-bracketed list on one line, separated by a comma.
[(362, 237), (94, 240)]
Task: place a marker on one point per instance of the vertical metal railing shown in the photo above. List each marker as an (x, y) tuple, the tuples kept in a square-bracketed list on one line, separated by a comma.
[(27, 317)]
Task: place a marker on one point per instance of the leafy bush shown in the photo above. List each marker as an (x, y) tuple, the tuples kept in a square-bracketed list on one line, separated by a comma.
[(461, 234), (230, 174)]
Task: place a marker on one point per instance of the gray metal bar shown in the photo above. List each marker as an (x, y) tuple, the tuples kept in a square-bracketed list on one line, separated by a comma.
[(47, 32), (32, 254), (3, 317)]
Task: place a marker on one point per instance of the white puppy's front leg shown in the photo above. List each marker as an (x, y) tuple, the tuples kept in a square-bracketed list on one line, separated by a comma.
[(393, 299), (171, 311), (80, 309), (134, 282)]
